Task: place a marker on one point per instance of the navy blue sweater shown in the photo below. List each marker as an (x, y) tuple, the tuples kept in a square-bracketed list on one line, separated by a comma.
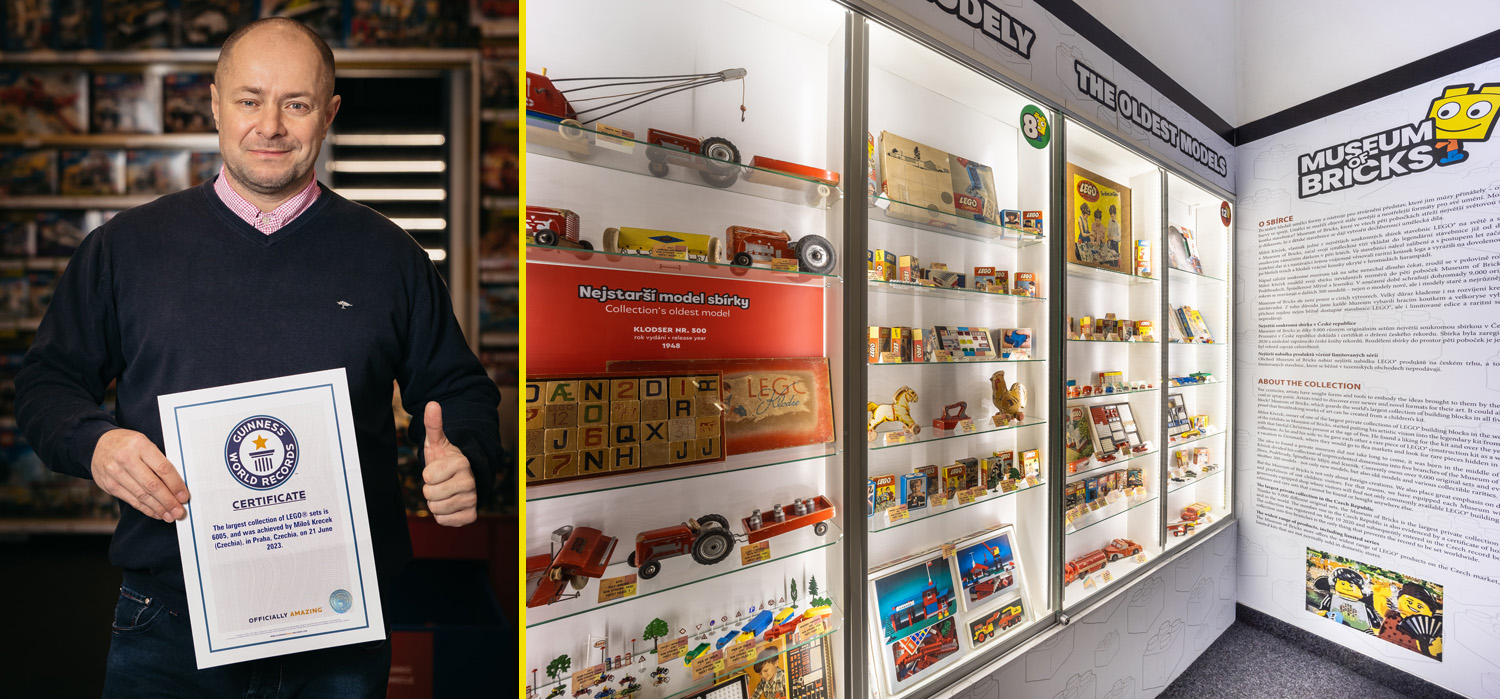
[(181, 294)]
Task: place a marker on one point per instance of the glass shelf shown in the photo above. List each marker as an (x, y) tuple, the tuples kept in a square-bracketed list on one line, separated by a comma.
[(1116, 394), (544, 136), (914, 289), (1122, 342), (542, 254), (732, 464), (680, 666), (678, 572), (940, 435), (959, 361), (1107, 275), (1075, 593), (1174, 487), (953, 225), (1115, 462), (879, 522), (1195, 385), (1199, 438), (1175, 343), (1175, 274), (1074, 527)]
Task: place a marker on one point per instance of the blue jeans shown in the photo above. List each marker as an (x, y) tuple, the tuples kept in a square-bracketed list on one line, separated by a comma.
[(151, 655)]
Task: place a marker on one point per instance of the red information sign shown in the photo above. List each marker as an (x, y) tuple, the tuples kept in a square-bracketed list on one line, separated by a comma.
[(580, 317)]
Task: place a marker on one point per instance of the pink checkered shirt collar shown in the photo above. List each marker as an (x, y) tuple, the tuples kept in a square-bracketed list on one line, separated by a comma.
[(271, 222)]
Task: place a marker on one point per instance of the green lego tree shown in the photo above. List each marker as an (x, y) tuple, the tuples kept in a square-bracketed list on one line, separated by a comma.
[(559, 666), (794, 592), (812, 586), (655, 630)]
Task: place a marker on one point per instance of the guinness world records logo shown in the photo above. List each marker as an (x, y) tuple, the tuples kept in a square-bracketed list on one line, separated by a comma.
[(261, 452)]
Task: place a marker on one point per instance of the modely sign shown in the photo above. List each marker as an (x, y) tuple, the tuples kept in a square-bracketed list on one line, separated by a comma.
[(1032, 46)]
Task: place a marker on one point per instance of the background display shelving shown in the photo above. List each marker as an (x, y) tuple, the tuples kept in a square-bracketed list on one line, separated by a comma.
[(793, 100), (918, 94), (1095, 292)]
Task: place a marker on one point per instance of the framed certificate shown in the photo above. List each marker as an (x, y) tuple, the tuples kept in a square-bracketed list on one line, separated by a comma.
[(275, 547)]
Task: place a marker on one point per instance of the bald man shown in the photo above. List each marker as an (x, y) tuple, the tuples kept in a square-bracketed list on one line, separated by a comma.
[(260, 273)]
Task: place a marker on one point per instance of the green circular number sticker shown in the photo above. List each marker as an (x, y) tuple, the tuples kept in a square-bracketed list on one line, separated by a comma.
[(1035, 127)]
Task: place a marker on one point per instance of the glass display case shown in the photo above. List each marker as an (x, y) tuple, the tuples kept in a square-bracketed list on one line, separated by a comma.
[(958, 436), (1112, 442), (684, 333), (1199, 364)]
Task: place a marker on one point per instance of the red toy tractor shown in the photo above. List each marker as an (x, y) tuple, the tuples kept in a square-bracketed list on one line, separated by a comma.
[(707, 538), (750, 246), (554, 228)]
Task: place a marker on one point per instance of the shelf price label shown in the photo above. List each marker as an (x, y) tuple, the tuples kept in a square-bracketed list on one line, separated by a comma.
[(810, 630), (1106, 576), (587, 677), (898, 437), (616, 588), (937, 500), (1140, 557), (740, 654), (670, 252), (966, 426), (942, 356), (949, 550), (890, 357), (1032, 482), (671, 650), (965, 497), (896, 514), (604, 140), (755, 553), (1088, 582), (1095, 505), (707, 664), (785, 264)]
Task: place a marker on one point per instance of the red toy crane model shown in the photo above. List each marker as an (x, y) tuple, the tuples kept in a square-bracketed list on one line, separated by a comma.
[(719, 165)]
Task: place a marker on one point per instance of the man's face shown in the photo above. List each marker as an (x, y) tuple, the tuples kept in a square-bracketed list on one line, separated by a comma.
[(272, 111)]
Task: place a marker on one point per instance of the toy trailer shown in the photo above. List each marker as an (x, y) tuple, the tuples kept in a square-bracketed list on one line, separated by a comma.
[(1181, 528), (817, 512), (1195, 512), (578, 553)]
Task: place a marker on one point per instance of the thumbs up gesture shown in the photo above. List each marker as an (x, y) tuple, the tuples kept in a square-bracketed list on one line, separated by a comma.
[(449, 481)]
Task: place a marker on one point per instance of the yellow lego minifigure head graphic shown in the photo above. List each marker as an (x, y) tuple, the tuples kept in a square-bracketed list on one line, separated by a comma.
[(1464, 113), (1349, 584)]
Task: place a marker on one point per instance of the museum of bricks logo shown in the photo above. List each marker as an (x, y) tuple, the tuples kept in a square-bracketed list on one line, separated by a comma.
[(1461, 114)]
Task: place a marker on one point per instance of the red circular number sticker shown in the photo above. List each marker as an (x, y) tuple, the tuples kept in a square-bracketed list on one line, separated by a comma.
[(1224, 213), (1088, 190)]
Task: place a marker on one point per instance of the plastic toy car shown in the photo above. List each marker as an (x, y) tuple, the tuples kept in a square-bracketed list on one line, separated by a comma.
[(554, 228), (761, 622), (997, 621), (1120, 548), (578, 553), (719, 166), (726, 639), (752, 246), (706, 538), (695, 652), (1083, 565), (643, 241)]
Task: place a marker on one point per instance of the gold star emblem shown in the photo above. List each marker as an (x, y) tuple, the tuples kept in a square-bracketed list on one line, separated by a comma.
[(260, 442)]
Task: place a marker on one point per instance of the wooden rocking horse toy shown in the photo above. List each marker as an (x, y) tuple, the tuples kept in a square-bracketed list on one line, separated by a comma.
[(898, 410)]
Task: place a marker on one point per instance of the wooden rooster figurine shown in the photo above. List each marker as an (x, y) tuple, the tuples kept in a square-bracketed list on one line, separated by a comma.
[(1008, 401)]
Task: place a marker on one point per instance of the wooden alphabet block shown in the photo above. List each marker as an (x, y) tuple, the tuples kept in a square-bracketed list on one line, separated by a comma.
[(562, 392), (536, 417), (707, 427), (534, 393), (624, 389), (622, 411), (653, 389), (683, 387), (536, 441), (562, 439), (655, 410), (624, 434), (562, 465), (682, 429), (625, 458), (653, 432), (682, 407), (590, 391), (534, 472), (593, 462), (562, 415), (709, 406), (656, 454), (707, 448), (593, 413), (707, 385), (682, 451), (593, 437)]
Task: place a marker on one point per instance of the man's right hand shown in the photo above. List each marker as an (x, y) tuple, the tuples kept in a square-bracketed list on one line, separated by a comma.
[(128, 466)]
